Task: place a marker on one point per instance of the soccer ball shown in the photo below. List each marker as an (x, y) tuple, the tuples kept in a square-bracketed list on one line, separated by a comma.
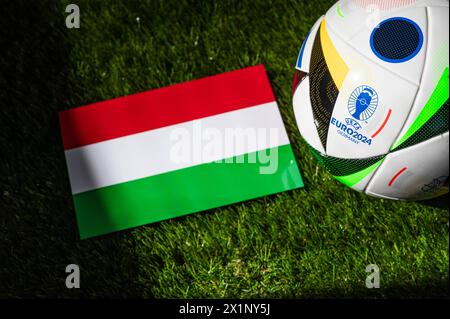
[(370, 96)]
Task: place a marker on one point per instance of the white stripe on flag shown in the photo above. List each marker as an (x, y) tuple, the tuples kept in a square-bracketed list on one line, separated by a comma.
[(149, 153)]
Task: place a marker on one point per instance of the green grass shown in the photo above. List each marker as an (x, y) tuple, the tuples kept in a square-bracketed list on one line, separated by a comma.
[(312, 242)]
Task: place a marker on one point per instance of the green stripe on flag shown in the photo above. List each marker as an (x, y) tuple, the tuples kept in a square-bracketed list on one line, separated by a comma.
[(172, 194), (437, 99)]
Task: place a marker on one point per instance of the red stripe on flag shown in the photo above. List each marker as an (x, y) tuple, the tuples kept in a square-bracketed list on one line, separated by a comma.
[(165, 106)]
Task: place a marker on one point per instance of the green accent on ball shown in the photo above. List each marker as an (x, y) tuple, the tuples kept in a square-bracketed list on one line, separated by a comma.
[(436, 101), (353, 179), (435, 126), (345, 166), (339, 11)]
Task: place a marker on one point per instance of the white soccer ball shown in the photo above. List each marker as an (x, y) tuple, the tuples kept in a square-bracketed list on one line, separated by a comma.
[(371, 96)]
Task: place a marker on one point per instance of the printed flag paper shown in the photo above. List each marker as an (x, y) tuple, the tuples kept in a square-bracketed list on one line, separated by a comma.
[(177, 150)]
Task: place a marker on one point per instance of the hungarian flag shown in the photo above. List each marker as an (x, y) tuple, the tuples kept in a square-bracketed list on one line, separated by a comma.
[(177, 150)]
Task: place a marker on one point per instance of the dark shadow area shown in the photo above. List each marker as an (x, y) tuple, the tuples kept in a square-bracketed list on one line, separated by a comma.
[(438, 289), (39, 235), (439, 202)]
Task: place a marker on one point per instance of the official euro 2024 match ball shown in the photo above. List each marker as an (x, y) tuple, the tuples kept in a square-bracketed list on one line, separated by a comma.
[(370, 96)]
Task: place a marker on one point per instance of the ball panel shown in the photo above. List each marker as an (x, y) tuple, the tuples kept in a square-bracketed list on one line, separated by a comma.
[(349, 16), (437, 60), (323, 89), (343, 167), (346, 17), (432, 3), (436, 125), (354, 173), (304, 115), (411, 172), (397, 43), (384, 5), (337, 67), (358, 181), (304, 55), (369, 111)]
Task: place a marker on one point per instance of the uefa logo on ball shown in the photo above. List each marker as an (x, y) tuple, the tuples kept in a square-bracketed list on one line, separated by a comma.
[(363, 103)]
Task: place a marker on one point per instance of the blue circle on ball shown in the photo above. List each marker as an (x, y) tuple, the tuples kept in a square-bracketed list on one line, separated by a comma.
[(396, 40)]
